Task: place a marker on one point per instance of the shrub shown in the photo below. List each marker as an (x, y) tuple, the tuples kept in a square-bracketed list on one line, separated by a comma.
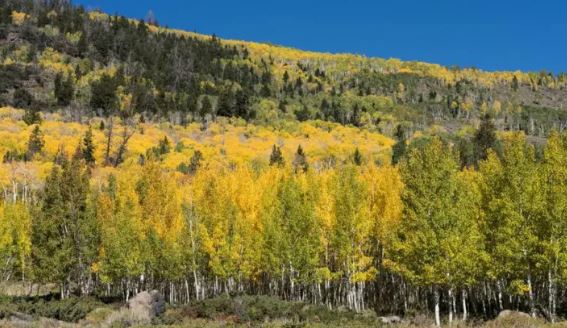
[(71, 309)]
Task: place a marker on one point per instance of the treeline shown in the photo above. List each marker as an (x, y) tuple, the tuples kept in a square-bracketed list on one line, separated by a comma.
[(59, 57), (432, 233)]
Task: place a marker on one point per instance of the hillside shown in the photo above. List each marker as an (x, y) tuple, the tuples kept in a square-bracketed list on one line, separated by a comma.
[(251, 184), (185, 77)]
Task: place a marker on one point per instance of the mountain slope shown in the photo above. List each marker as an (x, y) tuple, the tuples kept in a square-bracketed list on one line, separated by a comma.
[(184, 77)]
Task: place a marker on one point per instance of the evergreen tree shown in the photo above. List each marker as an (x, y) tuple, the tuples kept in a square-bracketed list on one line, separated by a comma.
[(399, 148), (303, 114), (63, 90), (64, 233), (88, 148), (32, 116), (357, 157), (515, 83), (83, 44), (300, 161), (485, 137), (164, 146), (195, 162), (225, 107), (35, 143), (276, 157), (206, 107), (103, 95), (241, 106), (22, 98)]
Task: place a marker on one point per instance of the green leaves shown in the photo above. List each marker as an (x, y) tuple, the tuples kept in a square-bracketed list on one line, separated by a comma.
[(439, 229)]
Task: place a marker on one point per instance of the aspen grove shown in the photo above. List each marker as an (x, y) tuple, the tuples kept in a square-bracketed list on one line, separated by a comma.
[(425, 234), (138, 157)]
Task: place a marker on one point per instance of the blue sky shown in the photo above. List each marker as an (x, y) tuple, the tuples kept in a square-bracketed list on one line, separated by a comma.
[(491, 35)]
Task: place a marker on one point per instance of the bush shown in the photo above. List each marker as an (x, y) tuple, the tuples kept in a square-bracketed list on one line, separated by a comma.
[(71, 309), (256, 309), (22, 99)]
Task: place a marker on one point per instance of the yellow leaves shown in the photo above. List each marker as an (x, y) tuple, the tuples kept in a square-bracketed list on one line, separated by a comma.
[(364, 276), (385, 187), (160, 202), (15, 233), (496, 107), (518, 287), (55, 61), (18, 18), (124, 100), (73, 37), (98, 16)]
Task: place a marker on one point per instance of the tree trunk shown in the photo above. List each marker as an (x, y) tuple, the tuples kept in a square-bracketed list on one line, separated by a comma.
[(436, 300), (464, 300), (552, 296), (531, 296), (108, 141), (450, 299)]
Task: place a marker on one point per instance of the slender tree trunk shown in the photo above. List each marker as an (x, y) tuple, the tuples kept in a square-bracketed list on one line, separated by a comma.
[(464, 300), (436, 300), (187, 292), (499, 286), (450, 300), (109, 141), (551, 287), (531, 296)]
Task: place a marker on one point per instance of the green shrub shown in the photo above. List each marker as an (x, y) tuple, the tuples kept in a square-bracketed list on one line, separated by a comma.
[(71, 309), (255, 309)]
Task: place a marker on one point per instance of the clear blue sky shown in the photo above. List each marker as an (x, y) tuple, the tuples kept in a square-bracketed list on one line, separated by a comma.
[(488, 34)]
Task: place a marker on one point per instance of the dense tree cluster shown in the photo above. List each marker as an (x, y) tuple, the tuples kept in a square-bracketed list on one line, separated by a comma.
[(467, 223), (431, 233)]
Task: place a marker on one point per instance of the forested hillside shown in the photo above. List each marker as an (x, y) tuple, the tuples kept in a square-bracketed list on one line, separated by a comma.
[(56, 57), (137, 157)]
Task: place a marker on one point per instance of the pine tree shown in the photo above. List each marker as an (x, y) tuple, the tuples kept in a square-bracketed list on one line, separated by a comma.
[(225, 107), (485, 137), (399, 148), (357, 157), (103, 95), (35, 143), (22, 98), (164, 146), (303, 114), (64, 233), (276, 157), (195, 162), (63, 89), (241, 106), (83, 44), (88, 149), (300, 161), (32, 116), (206, 107)]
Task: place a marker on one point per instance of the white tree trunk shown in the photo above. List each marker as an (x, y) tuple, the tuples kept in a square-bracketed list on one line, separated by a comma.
[(450, 296), (437, 316), (464, 300), (531, 296)]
